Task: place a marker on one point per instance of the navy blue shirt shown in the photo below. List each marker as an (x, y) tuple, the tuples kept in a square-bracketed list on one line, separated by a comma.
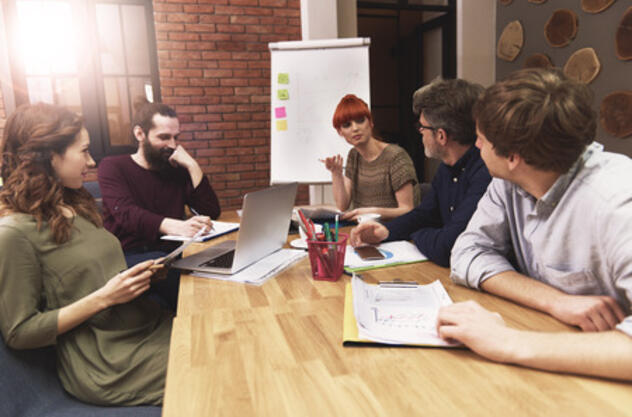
[(446, 209)]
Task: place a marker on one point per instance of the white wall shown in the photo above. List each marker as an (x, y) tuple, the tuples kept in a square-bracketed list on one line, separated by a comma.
[(476, 40)]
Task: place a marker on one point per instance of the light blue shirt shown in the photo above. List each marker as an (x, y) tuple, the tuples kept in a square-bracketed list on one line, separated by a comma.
[(576, 238)]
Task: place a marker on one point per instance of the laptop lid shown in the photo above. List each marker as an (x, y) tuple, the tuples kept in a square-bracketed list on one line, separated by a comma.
[(265, 221)]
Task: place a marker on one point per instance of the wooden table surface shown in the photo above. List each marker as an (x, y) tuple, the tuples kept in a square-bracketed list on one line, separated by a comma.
[(276, 350)]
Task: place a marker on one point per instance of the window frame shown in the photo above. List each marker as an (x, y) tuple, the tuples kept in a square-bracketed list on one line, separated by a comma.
[(89, 73)]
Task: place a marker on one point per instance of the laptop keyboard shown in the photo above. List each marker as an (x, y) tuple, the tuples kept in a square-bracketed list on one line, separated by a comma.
[(222, 261)]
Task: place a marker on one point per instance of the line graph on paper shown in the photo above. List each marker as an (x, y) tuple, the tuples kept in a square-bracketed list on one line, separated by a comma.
[(411, 319)]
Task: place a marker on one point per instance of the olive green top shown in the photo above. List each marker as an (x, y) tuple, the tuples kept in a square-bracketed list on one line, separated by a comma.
[(118, 356), (375, 182)]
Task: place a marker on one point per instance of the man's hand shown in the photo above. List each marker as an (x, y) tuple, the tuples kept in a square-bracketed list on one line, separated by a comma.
[(186, 228), (479, 329), (180, 157), (368, 233), (592, 313)]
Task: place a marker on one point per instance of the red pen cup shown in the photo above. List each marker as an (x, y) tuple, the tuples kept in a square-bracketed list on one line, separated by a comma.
[(327, 258)]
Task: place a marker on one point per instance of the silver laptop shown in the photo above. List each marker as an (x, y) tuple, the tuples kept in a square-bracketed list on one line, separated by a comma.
[(265, 222)]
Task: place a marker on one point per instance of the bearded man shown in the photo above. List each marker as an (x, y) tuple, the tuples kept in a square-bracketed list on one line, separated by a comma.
[(144, 194)]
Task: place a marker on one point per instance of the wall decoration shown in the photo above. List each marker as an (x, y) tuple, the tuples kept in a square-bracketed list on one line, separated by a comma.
[(511, 41), (537, 1), (561, 28), (538, 61), (583, 65), (505, 2), (596, 6), (616, 113), (623, 38)]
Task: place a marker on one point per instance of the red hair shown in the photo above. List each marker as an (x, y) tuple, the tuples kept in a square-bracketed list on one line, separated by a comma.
[(350, 108)]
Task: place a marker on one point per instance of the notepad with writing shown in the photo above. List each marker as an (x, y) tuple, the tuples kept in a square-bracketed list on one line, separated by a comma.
[(393, 314), (219, 229)]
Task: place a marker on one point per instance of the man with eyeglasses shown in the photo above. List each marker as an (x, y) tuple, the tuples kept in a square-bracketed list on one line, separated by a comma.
[(448, 133)]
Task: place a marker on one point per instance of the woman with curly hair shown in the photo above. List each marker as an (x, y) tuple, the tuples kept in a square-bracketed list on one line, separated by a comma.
[(63, 278)]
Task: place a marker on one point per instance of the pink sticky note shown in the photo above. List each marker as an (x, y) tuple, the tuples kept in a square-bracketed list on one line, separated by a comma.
[(279, 112)]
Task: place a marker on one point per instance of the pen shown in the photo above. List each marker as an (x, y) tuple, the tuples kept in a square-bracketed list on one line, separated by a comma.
[(327, 232), (337, 216), (195, 213)]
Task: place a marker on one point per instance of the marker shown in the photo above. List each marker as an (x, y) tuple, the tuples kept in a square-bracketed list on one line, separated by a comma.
[(337, 216), (327, 232)]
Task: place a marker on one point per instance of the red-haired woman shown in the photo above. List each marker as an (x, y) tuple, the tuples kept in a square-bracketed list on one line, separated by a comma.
[(63, 277), (379, 177)]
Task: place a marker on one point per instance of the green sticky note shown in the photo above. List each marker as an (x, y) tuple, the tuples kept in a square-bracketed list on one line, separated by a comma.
[(283, 78), (283, 94), (281, 125)]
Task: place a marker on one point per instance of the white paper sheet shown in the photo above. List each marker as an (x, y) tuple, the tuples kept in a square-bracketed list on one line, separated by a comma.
[(399, 314), (262, 270)]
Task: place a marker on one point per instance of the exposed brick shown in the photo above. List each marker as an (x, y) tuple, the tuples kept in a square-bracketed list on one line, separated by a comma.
[(203, 64), (166, 7), (204, 82), (233, 82), (214, 67), (200, 27), (244, 2), (182, 17), (208, 117), (183, 36), (233, 64), (188, 91), (213, 18), (200, 46), (197, 9), (215, 36), (218, 73), (190, 109), (244, 20), (273, 3), (178, 73)]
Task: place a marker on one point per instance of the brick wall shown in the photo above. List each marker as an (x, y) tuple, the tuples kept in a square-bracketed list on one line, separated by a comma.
[(215, 71)]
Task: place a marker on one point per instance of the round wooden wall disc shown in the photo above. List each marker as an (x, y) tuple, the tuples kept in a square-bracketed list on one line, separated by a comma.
[(583, 65), (623, 38), (616, 113), (596, 6), (538, 61), (561, 28), (537, 1), (505, 2), (510, 41)]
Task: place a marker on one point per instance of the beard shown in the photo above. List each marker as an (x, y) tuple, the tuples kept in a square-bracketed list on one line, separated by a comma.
[(157, 158)]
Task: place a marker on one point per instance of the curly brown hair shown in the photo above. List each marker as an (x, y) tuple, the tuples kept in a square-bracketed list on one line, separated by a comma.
[(33, 133)]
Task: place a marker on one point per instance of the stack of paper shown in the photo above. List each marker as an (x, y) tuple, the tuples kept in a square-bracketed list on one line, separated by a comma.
[(219, 228), (262, 270), (397, 313), (395, 253)]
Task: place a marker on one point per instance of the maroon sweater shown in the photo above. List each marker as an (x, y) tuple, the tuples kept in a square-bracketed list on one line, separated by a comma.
[(136, 200)]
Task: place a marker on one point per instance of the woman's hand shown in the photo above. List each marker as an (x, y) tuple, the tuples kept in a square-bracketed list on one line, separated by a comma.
[(333, 164), (128, 284), (353, 214)]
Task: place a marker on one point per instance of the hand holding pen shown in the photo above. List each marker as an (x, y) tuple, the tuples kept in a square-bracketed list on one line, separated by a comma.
[(198, 222)]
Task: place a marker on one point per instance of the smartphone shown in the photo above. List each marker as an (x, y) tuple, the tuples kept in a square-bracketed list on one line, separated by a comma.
[(369, 253)]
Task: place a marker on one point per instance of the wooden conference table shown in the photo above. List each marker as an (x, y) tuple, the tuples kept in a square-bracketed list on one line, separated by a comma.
[(276, 350)]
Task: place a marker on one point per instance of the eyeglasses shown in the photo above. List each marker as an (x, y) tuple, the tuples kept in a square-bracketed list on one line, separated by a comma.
[(420, 128)]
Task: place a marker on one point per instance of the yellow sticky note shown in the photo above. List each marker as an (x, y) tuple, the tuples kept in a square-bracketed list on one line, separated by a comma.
[(283, 78), (281, 125), (283, 94)]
